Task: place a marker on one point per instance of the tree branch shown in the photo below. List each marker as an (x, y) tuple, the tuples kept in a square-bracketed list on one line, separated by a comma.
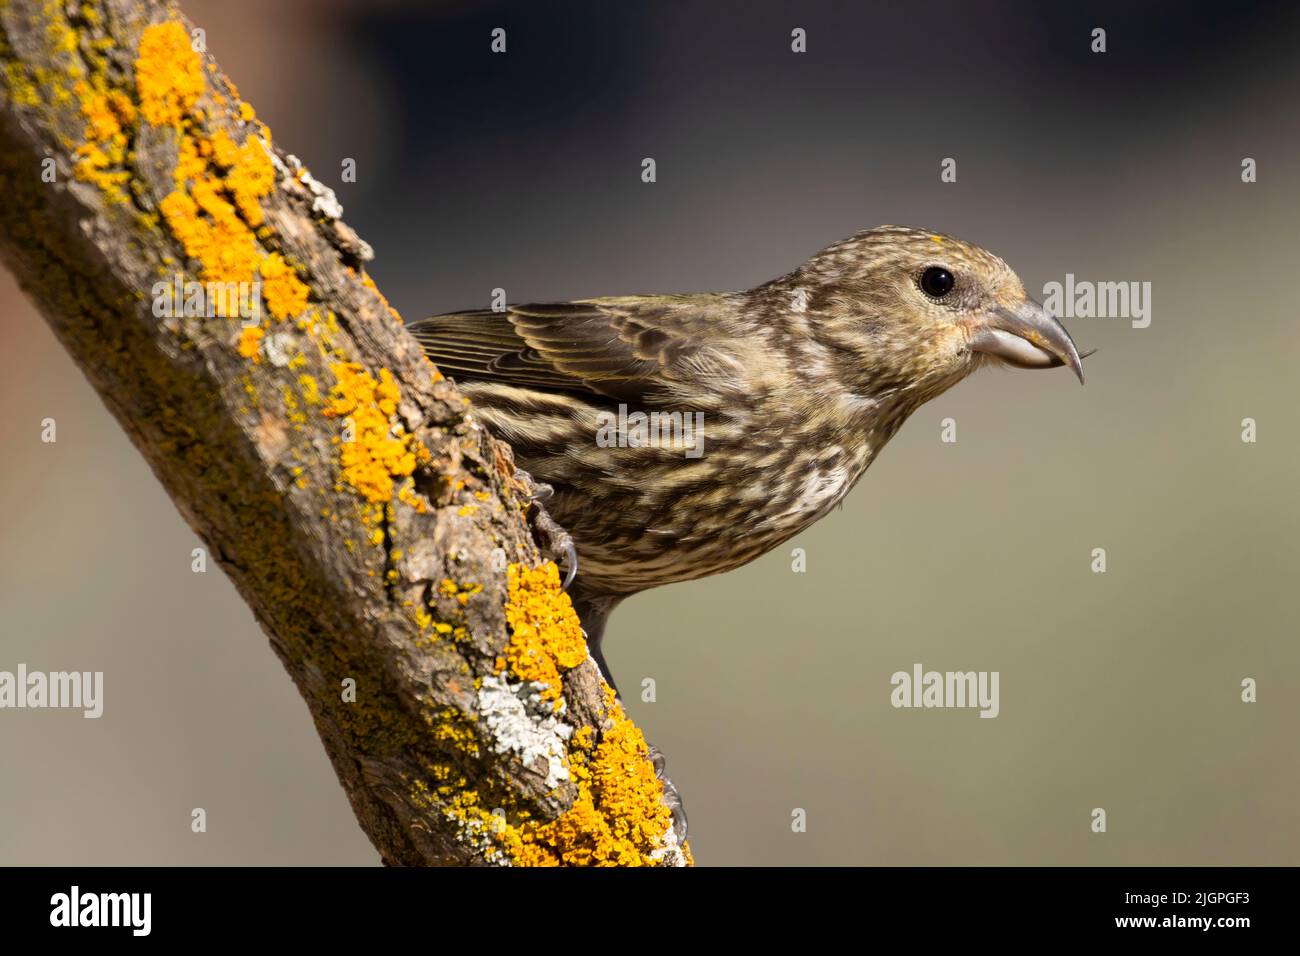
[(205, 285)]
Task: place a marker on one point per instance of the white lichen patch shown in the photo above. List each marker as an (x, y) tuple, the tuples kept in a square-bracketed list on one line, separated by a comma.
[(671, 853), (482, 836), (295, 177), (523, 722), (324, 201), (277, 347)]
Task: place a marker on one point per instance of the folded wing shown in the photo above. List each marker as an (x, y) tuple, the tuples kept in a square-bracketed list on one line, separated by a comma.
[(628, 349)]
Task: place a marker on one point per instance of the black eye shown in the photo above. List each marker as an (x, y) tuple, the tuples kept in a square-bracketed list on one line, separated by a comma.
[(936, 281)]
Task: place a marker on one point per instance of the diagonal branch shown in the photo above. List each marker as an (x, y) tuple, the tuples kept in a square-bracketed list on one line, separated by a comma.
[(206, 286)]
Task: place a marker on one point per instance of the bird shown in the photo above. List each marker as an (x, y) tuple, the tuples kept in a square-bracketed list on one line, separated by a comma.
[(679, 436)]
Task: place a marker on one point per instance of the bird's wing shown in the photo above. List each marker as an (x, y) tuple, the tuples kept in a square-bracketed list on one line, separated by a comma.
[(625, 348)]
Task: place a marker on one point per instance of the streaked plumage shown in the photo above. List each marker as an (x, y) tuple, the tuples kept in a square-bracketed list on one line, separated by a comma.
[(801, 382)]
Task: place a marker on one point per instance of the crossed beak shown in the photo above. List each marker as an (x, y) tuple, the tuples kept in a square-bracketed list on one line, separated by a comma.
[(1027, 337)]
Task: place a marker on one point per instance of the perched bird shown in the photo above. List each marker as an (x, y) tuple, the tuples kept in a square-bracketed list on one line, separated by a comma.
[(685, 435)]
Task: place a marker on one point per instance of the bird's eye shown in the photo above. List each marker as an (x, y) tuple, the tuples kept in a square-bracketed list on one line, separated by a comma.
[(936, 281)]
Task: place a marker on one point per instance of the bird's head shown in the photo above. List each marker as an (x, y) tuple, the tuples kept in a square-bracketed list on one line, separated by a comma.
[(911, 311)]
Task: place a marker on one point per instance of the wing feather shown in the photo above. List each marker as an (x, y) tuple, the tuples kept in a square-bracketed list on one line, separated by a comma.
[(628, 348)]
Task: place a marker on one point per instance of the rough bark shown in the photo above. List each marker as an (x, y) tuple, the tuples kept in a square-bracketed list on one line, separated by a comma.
[(341, 483)]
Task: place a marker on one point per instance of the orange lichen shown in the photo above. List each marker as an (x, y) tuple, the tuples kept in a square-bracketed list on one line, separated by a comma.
[(108, 113), (215, 207), (250, 342), (408, 496), (452, 726), (293, 412), (380, 450), (369, 283), (249, 175), (223, 245), (310, 391), (168, 74), (546, 639), (100, 160), (21, 88), (619, 817), (285, 294), (191, 162), (461, 592)]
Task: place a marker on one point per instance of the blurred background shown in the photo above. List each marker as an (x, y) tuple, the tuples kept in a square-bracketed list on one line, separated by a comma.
[(1118, 690)]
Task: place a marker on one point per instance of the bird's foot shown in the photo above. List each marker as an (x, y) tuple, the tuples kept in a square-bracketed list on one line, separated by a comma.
[(555, 541), (672, 797)]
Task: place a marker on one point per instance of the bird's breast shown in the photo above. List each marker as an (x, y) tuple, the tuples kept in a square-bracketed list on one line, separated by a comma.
[(643, 521)]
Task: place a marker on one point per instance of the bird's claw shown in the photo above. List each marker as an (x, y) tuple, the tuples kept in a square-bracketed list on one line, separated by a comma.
[(553, 539), (571, 558), (672, 798)]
